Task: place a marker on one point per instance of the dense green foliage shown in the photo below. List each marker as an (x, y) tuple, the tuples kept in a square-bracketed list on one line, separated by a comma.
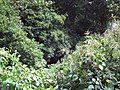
[(12, 37), (94, 64), (43, 24), (76, 32)]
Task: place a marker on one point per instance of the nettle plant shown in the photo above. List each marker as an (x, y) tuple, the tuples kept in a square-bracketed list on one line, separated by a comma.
[(17, 76)]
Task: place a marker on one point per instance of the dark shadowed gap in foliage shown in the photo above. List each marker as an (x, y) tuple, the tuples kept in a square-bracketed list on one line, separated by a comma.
[(84, 15), (53, 58)]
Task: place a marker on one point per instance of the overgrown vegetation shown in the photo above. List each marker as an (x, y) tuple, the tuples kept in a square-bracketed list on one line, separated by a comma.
[(59, 45)]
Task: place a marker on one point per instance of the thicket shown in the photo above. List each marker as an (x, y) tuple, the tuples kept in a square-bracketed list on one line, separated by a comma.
[(45, 26), (14, 38), (94, 65), (34, 30)]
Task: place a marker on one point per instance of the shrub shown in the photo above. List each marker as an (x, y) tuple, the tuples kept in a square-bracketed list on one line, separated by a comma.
[(94, 65), (19, 76), (43, 24), (14, 38)]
